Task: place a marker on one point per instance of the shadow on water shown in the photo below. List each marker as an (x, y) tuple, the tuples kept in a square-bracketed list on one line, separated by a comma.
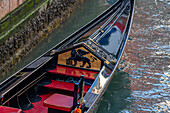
[(117, 95)]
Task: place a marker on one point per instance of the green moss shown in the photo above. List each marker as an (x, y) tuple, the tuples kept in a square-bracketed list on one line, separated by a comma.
[(18, 16)]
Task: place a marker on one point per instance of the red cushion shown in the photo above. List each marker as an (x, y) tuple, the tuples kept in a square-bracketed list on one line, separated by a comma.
[(74, 72), (64, 86), (4, 109), (60, 102)]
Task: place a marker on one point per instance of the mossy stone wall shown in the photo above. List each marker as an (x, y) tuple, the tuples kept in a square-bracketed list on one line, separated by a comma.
[(48, 17)]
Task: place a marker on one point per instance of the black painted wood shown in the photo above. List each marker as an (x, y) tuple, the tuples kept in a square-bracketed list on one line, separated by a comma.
[(39, 62)]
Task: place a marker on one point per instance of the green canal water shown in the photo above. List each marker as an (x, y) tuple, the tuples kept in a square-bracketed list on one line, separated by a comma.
[(142, 81)]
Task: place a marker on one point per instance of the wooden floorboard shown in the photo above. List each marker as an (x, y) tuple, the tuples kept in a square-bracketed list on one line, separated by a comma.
[(89, 99)]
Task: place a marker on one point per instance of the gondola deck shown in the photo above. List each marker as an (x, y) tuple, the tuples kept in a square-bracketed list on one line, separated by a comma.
[(75, 73)]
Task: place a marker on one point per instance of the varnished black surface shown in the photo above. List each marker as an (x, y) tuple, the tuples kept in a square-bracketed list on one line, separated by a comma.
[(12, 82), (23, 74), (38, 62)]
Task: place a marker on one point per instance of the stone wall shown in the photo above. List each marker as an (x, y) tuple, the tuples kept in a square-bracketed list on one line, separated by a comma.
[(49, 17)]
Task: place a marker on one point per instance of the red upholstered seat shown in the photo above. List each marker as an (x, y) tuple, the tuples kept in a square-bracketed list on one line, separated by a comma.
[(64, 86), (64, 102), (60, 102), (74, 72), (4, 109)]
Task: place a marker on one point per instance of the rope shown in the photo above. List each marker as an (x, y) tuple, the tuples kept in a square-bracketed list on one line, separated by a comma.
[(68, 80), (88, 83), (2, 100), (82, 95)]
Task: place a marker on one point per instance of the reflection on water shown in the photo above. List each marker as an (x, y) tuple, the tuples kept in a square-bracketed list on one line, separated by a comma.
[(147, 61), (114, 36), (117, 96)]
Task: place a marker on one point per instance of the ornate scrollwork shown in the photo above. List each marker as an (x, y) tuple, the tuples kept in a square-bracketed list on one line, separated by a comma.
[(98, 50)]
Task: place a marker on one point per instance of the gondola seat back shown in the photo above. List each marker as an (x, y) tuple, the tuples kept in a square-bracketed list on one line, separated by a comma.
[(59, 102), (74, 72), (80, 57), (64, 86)]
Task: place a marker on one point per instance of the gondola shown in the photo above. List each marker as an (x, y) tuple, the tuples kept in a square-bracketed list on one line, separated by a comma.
[(72, 76)]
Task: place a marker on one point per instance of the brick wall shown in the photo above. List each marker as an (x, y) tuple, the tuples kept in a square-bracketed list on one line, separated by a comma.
[(7, 6)]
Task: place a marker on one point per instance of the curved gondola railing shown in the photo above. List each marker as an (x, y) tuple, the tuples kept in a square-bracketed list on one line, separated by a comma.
[(8, 88)]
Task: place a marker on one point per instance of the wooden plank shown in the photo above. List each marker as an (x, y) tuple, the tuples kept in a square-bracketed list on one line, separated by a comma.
[(89, 99)]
